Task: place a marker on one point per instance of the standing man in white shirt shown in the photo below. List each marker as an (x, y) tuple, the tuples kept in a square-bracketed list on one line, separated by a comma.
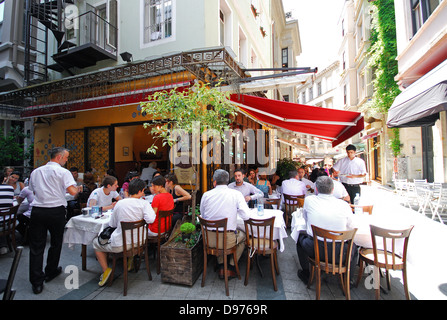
[(327, 212), (49, 184), (249, 191), (351, 171), (224, 202)]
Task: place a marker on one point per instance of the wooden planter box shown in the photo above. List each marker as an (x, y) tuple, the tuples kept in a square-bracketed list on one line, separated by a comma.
[(181, 265)]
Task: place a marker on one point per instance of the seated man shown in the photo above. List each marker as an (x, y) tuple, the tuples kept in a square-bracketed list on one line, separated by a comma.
[(103, 196), (327, 212), (310, 186), (147, 173), (224, 202), (249, 191), (129, 209), (293, 186)]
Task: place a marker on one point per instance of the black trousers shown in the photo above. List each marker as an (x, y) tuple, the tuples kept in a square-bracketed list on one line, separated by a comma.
[(305, 249), (44, 220), (352, 190)]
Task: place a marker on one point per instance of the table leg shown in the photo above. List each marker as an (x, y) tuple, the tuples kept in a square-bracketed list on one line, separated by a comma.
[(84, 257)]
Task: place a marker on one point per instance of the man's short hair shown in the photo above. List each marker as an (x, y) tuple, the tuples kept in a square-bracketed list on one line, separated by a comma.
[(240, 170), (74, 169), (221, 177), (136, 185), (292, 174), (56, 151), (108, 180), (351, 147), (159, 181), (324, 184)]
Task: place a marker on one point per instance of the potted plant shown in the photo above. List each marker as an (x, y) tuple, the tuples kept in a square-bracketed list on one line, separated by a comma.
[(284, 166), (187, 229)]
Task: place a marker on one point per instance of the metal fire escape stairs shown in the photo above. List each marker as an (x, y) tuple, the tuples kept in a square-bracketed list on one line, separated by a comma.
[(43, 18)]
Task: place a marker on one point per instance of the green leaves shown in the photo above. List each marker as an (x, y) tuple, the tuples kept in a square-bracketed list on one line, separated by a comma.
[(177, 109)]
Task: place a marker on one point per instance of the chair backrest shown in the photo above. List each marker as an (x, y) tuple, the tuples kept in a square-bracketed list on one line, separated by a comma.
[(272, 201), (138, 233), (259, 234), (292, 203), (8, 218), (165, 220), (214, 225), (8, 294), (386, 234), (367, 209), (334, 262)]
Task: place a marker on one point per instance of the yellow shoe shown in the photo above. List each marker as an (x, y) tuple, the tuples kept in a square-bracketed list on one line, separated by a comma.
[(130, 265), (104, 277)]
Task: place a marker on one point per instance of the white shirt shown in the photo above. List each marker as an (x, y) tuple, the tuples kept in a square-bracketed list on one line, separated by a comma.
[(101, 198), (327, 212), (339, 190), (247, 189), (127, 210), (25, 207), (147, 174), (348, 167), (224, 202), (309, 183), (292, 187), (49, 184)]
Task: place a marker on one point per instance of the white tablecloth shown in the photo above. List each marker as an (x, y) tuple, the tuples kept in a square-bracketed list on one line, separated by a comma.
[(83, 229), (362, 222), (279, 227)]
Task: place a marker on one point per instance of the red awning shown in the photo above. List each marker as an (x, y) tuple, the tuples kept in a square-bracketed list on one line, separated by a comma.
[(327, 124)]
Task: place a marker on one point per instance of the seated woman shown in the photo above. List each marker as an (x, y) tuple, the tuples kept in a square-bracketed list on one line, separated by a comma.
[(179, 194), (103, 196), (264, 185), (129, 209), (13, 181), (129, 177), (162, 201)]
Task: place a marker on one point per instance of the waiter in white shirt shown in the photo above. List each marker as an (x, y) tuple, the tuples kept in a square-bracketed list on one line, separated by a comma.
[(351, 171), (220, 203), (49, 184)]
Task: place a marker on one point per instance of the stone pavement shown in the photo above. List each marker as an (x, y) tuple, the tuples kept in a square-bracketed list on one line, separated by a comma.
[(427, 278)]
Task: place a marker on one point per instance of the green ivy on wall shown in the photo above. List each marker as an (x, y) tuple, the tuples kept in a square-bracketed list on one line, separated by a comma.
[(382, 60)]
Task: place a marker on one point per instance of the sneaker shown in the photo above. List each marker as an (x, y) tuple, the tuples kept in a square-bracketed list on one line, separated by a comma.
[(104, 277)]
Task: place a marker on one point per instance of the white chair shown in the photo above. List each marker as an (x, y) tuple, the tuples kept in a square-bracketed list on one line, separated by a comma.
[(400, 186), (423, 193), (438, 201)]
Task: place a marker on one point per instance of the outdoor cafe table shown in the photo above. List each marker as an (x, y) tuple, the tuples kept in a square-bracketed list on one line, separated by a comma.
[(83, 229), (279, 227)]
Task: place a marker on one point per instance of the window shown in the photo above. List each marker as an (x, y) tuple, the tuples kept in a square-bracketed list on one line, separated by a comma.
[(420, 11), (285, 58), (157, 20), (311, 93), (319, 89), (285, 98), (345, 95), (303, 97)]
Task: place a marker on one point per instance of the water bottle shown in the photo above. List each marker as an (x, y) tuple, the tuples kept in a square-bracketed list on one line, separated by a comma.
[(260, 207), (357, 210)]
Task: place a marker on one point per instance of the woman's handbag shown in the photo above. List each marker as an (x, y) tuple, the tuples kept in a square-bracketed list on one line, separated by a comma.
[(104, 236)]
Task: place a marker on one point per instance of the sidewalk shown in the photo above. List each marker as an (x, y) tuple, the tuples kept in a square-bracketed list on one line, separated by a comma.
[(426, 275)]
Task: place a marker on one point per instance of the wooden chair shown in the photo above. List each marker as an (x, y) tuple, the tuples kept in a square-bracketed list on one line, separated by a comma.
[(137, 230), (8, 220), (209, 228), (291, 204), (383, 258), (333, 260), (271, 202), (367, 209), (259, 241), (165, 219), (6, 285)]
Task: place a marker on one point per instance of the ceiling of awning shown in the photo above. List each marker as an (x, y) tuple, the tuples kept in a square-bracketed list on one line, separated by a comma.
[(420, 103), (327, 124)]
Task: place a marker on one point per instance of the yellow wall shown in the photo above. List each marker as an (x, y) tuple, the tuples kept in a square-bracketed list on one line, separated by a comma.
[(49, 136)]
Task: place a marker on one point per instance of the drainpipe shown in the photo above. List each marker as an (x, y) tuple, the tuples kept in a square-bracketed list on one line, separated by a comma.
[(15, 42)]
